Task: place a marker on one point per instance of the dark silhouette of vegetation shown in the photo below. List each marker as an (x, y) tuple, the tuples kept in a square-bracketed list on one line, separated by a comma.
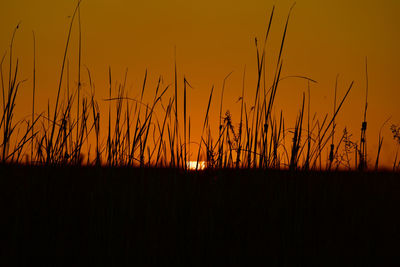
[(137, 137), (135, 202)]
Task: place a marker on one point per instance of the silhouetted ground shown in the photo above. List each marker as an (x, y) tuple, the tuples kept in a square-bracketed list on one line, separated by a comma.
[(117, 216)]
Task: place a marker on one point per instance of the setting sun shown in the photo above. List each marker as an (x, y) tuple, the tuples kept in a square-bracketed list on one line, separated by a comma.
[(193, 165)]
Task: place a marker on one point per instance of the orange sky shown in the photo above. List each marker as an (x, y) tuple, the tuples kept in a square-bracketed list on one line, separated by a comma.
[(213, 38)]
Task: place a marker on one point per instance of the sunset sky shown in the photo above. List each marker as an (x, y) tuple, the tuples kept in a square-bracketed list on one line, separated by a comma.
[(213, 38)]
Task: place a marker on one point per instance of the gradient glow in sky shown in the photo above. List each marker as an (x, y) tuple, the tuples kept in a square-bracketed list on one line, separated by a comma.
[(213, 38)]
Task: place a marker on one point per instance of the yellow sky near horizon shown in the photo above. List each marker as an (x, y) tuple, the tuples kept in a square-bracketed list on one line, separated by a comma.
[(213, 38)]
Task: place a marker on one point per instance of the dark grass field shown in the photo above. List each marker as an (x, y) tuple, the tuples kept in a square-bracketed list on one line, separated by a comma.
[(69, 216)]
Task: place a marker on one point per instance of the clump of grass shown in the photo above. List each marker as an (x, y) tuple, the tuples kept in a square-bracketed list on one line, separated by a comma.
[(149, 134)]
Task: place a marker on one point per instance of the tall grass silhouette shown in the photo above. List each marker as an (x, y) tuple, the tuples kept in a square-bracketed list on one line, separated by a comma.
[(150, 134)]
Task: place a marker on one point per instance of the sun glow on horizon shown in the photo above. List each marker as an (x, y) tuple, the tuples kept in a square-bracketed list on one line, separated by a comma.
[(191, 165)]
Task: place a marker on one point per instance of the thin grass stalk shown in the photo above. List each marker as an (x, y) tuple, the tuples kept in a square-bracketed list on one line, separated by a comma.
[(241, 122), (247, 154), (137, 133), (2, 80), (380, 143), (307, 161), (363, 138), (296, 140), (204, 125), (79, 71), (176, 129), (331, 153), (49, 147), (109, 163), (185, 82), (33, 90), (11, 53), (167, 114), (395, 160), (6, 105)]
